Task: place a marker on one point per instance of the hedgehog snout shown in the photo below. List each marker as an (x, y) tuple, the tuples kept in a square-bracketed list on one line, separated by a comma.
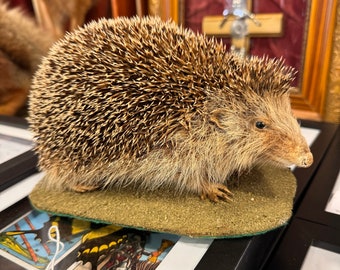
[(305, 160)]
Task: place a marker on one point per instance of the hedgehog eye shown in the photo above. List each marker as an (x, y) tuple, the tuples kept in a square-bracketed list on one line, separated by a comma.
[(260, 125)]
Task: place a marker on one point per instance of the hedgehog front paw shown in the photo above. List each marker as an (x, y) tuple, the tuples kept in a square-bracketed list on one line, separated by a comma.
[(216, 192)]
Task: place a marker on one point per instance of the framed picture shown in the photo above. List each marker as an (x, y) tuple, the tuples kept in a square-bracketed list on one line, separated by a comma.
[(17, 159), (310, 31)]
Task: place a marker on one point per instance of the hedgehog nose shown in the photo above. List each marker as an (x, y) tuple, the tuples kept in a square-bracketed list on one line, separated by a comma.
[(306, 160)]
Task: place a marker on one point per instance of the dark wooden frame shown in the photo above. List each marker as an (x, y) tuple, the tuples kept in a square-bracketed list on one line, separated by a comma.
[(295, 244), (18, 168)]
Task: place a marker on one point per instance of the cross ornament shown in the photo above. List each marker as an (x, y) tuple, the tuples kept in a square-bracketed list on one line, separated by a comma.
[(240, 24)]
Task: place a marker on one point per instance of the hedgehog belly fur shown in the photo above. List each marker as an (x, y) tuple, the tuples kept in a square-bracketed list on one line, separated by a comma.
[(183, 169)]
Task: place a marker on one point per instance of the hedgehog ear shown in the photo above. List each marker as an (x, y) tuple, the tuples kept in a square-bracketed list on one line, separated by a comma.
[(216, 117)]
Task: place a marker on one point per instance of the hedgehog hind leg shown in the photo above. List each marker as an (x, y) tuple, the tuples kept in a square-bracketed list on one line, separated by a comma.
[(216, 192)]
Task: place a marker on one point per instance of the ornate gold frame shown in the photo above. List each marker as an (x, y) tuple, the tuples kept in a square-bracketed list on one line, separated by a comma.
[(309, 101)]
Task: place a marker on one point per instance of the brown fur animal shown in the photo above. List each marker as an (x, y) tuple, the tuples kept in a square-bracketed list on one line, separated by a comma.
[(145, 103), (22, 45)]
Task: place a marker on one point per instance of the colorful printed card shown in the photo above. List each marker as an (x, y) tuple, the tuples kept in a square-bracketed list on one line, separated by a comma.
[(86, 244)]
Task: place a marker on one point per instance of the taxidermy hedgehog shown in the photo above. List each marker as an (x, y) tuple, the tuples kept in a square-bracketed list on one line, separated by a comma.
[(146, 103), (22, 45)]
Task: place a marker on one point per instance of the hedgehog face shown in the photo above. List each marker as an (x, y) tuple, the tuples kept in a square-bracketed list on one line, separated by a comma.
[(264, 130), (278, 132)]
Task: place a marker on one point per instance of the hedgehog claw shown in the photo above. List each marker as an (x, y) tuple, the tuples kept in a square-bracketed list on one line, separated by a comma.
[(216, 193), (83, 188)]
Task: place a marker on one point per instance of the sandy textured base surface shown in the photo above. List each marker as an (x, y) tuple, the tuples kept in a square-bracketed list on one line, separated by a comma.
[(263, 200)]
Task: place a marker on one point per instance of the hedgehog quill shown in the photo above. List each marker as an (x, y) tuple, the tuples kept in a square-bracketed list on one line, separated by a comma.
[(146, 103)]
